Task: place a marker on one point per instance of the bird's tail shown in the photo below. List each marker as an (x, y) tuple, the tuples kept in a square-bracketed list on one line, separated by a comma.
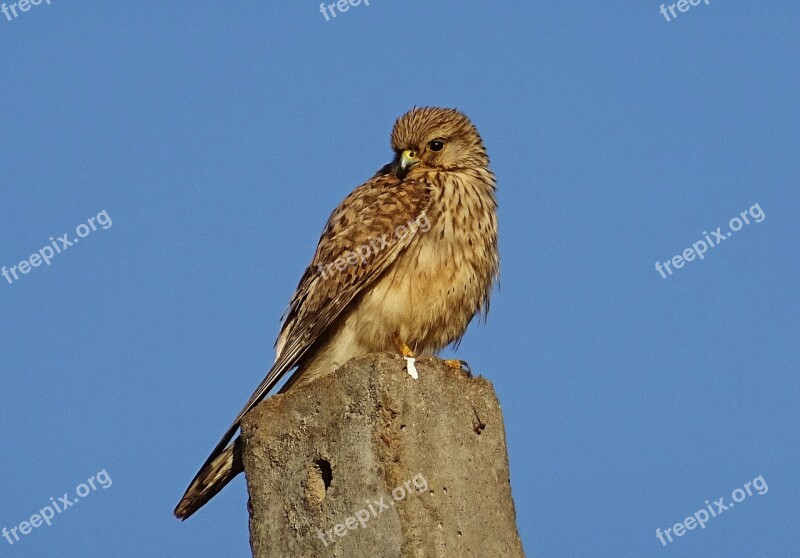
[(211, 479), (225, 461)]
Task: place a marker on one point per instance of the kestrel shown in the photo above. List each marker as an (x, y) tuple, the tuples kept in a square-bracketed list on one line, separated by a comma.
[(404, 264)]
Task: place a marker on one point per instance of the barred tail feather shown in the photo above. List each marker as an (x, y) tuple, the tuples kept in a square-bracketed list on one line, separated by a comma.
[(211, 479)]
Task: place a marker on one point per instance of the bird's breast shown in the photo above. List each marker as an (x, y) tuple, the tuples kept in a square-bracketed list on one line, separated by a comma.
[(441, 280)]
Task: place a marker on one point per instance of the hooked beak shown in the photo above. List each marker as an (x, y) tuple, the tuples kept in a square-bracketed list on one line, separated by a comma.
[(405, 161)]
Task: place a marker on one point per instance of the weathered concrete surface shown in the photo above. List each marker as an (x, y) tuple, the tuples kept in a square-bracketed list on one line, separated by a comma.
[(326, 453)]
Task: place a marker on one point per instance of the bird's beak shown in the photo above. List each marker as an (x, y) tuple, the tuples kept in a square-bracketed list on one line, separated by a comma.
[(406, 160)]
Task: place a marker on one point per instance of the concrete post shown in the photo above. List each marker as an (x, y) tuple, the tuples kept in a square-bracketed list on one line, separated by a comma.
[(370, 462)]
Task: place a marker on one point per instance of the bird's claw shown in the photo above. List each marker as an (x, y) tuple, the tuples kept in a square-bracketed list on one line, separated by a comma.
[(460, 365)]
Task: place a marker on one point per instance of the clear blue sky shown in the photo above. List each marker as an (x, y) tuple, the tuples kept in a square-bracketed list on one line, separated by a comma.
[(218, 136)]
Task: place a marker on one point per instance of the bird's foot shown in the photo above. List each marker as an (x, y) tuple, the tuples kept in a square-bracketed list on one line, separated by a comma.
[(460, 365), (405, 350)]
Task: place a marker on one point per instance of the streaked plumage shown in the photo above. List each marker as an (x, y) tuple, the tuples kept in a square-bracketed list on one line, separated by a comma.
[(419, 291)]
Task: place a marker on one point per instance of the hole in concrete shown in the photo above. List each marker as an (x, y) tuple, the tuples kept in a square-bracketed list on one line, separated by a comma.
[(318, 480), (326, 472)]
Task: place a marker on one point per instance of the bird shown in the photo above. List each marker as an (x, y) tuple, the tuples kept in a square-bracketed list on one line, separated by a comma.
[(403, 264)]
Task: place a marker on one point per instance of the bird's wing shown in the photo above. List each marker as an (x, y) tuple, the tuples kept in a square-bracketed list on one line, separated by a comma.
[(371, 213), (365, 223)]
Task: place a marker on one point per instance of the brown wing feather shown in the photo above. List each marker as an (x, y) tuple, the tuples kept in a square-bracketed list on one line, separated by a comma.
[(373, 209)]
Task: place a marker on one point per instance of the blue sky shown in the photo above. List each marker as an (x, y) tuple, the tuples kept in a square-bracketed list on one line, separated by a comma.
[(217, 137)]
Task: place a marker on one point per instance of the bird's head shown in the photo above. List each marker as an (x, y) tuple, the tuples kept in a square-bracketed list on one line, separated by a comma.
[(432, 138)]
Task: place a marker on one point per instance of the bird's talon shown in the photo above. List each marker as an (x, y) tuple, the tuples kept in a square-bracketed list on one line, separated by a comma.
[(405, 350), (460, 365)]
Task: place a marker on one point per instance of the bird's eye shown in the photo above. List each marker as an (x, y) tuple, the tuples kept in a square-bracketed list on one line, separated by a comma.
[(436, 145)]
